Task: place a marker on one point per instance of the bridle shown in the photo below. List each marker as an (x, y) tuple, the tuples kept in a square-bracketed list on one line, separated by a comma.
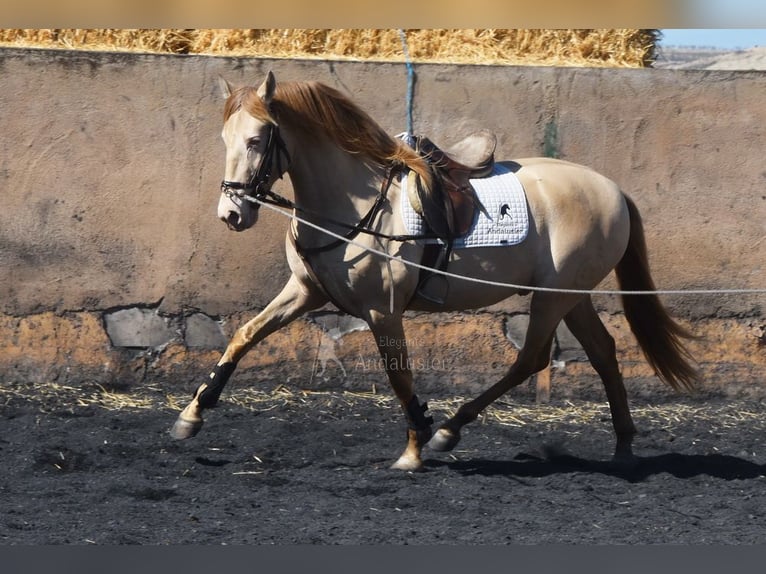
[(258, 187), (257, 190)]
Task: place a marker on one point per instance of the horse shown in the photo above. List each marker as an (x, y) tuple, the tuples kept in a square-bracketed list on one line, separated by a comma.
[(345, 173)]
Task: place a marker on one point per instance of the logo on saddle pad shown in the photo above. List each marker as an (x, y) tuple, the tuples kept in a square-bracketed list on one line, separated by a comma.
[(504, 217), (503, 221)]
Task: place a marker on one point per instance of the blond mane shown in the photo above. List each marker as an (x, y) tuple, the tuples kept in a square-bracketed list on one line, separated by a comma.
[(313, 108)]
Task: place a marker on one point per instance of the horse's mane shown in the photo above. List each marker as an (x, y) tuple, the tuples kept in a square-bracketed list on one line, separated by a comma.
[(314, 108)]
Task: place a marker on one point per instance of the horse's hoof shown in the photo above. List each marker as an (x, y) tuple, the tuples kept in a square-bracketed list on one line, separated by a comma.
[(444, 440), (183, 429), (408, 464)]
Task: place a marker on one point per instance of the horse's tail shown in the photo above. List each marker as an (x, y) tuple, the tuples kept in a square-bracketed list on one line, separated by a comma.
[(659, 336)]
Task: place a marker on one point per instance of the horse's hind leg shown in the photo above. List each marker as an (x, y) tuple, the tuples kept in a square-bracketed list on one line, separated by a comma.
[(584, 323), (294, 300), (546, 311)]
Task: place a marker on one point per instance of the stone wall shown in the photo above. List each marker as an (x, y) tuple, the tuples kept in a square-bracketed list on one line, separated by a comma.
[(113, 266)]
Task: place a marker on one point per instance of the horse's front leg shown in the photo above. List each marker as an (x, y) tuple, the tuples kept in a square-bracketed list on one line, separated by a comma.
[(294, 300), (392, 345)]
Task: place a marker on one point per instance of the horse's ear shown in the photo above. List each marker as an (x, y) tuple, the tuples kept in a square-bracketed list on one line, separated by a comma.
[(225, 87), (266, 90)]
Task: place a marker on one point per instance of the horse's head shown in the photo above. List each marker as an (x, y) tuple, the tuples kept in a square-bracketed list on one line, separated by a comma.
[(255, 153)]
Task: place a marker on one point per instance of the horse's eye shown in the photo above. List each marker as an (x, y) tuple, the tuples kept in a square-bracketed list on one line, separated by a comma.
[(253, 143)]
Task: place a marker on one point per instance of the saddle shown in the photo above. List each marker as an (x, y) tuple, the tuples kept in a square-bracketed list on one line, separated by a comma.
[(450, 205)]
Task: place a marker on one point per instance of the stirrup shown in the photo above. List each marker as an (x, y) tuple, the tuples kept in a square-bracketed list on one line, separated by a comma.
[(433, 298)]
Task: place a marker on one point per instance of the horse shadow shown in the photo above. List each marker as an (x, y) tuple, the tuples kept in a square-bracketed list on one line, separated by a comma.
[(637, 469)]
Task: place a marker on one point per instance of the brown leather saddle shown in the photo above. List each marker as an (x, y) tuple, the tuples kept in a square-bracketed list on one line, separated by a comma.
[(450, 205)]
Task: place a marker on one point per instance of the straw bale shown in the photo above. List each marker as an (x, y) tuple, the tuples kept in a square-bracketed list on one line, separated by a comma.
[(561, 47)]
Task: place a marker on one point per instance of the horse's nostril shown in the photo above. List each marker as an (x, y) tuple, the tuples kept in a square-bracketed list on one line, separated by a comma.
[(232, 219)]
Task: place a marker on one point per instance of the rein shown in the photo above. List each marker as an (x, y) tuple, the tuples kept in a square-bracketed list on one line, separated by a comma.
[(234, 189)]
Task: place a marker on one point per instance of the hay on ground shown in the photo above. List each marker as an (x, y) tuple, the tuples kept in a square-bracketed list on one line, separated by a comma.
[(52, 398)]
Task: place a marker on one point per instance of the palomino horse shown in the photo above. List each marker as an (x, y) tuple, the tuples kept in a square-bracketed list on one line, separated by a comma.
[(342, 166)]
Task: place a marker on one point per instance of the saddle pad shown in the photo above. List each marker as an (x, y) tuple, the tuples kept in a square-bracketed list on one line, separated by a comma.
[(501, 194)]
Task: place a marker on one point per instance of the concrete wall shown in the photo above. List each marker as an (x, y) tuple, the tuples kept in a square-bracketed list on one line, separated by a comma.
[(113, 265)]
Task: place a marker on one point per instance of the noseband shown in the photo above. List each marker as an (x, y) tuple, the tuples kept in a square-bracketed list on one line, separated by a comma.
[(258, 185)]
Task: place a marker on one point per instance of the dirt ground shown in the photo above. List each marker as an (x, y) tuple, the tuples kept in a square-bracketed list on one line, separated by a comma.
[(278, 465)]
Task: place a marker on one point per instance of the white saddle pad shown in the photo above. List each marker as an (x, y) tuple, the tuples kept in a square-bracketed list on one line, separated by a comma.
[(501, 194)]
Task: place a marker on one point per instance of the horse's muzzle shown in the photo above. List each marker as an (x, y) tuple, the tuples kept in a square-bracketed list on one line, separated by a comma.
[(236, 213)]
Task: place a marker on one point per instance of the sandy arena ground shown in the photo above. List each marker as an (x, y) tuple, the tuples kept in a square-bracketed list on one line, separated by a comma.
[(278, 465)]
